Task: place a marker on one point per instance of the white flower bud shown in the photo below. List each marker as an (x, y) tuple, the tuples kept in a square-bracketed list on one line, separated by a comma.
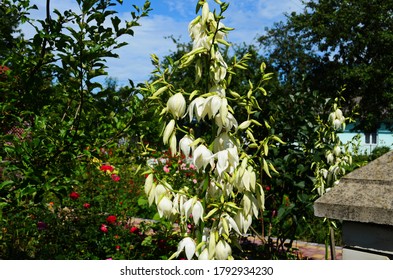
[(204, 255), (173, 144), (164, 207), (197, 212), (177, 105), (184, 145), (188, 245), (223, 250), (337, 150), (337, 124), (330, 157), (168, 131), (148, 184), (202, 156)]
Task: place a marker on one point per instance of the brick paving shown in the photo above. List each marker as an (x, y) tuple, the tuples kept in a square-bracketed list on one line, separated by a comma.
[(314, 251)]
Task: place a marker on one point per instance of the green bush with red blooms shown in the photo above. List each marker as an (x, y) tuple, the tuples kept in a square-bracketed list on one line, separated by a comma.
[(97, 220)]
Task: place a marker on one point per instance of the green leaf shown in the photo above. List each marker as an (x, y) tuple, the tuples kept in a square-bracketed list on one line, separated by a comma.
[(6, 183)]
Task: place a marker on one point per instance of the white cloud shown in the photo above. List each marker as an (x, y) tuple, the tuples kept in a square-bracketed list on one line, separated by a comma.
[(134, 62)]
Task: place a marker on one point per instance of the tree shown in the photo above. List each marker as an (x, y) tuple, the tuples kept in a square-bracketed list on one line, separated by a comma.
[(52, 96), (352, 41)]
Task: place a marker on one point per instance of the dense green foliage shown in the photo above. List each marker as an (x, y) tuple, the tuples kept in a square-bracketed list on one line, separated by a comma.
[(60, 125), (340, 43), (55, 114)]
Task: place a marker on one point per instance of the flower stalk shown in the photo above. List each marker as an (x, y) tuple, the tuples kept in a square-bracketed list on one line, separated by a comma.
[(220, 208)]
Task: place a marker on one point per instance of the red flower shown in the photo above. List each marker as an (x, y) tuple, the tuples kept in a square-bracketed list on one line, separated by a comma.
[(117, 247), (115, 177), (111, 219), (267, 188), (107, 167), (104, 228), (134, 230), (86, 205), (74, 195)]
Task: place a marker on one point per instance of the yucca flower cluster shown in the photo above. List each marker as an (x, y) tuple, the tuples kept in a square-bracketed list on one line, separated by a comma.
[(222, 206), (337, 154)]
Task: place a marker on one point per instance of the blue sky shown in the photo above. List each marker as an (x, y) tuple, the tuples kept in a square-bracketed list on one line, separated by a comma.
[(171, 17)]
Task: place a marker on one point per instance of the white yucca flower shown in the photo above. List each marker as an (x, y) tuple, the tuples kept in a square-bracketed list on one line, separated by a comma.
[(173, 144), (337, 150), (202, 156), (149, 181), (196, 107), (243, 221), (220, 90), (159, 192), (329, 157), (219, 68), (169, 128), (324, 173), (164, 207), (212, 106), (337, 119), (337, 124), (223, 141), (188, 245), (185, 145), (177, 105), (227, 160), (204, 255), (230, 224), (223, 250), (227, 123), (194, 207)]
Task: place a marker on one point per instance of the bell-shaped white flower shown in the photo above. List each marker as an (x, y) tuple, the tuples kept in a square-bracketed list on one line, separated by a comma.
[(204, 255), (220, 90), (212, 106), (177, 105), (168, 131), (339, 114), (188, 245), (329, 157), (227, 160), (222, 161), (159, 192), (243, 221), (196, 106), (324, 173), (185, 145), (194, 207), (223, 250), (337, 124), (223, 141), (226, 224), (219, 68), (173, 144), (149, 183), (228, 123), (187, 207), (202, 156), (197, 212), (164, 207), (337, 150)]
